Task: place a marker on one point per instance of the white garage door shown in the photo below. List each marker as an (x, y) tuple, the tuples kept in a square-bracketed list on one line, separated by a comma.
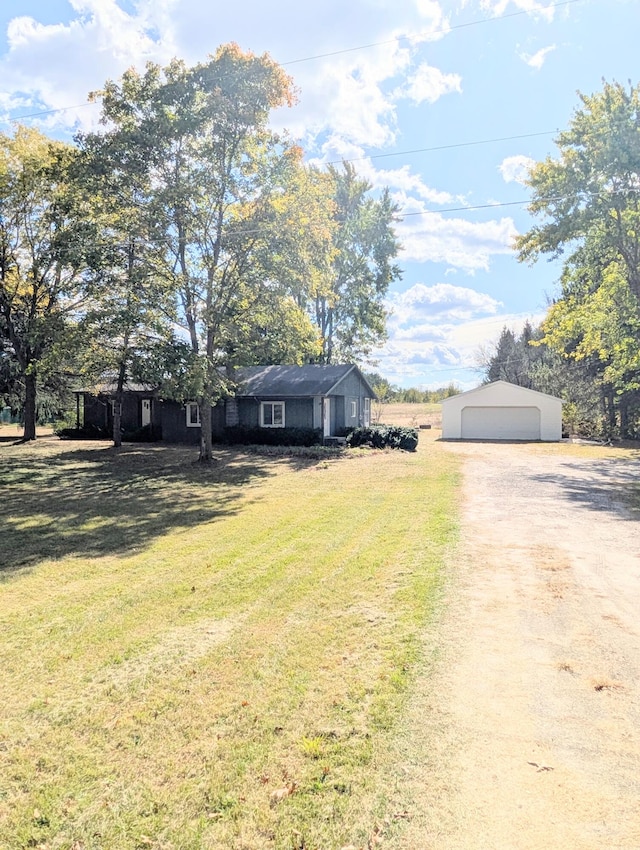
[(500, 423)]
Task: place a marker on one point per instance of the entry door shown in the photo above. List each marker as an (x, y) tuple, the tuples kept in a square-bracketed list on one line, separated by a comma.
[(146, 411), (326, 417)]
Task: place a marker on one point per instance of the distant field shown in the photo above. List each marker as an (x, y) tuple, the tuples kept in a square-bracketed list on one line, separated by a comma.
[(212, 657), (410, 414)]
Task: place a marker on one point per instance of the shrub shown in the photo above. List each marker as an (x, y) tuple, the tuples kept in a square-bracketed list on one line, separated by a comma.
[(85, 432), (146, 434), (245, 436), (384, 436)]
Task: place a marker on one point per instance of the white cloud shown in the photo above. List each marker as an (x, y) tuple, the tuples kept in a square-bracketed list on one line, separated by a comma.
[(351, 93), (546, 11), (432, 355), (442, 301), (537, 60), (515, 169), (430, 84), (55, 66), (462, 244)]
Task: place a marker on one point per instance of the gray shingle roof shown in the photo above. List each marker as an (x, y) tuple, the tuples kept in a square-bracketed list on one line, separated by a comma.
[(290, 381)]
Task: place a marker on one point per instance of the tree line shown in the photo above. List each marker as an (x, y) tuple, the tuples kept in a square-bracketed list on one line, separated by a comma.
[(181, 241), (587, 349)]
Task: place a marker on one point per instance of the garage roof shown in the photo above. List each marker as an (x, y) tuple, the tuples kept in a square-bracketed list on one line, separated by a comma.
[(515, 387)]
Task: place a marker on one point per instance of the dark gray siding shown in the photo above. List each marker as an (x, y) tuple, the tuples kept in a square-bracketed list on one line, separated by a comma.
[(298, 412), (174, 423), (98, 411), (351, 388)]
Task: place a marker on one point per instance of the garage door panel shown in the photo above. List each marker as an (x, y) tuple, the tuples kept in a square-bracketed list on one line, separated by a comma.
[(500, 423)]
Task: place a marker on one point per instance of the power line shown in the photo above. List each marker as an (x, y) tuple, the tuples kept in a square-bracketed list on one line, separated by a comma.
[(427, 33), (445, 147), (397, 39)]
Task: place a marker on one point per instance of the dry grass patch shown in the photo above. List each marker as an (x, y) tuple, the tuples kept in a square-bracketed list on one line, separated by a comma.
[(210, 657)]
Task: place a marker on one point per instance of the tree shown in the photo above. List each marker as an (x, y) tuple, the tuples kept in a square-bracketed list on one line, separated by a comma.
[(129, 306), (590, 200), (348, 304), (216, 175), (42, 231)]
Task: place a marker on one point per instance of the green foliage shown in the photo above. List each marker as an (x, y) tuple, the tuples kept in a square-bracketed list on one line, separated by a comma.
[(383, 437), (43, 230), (348, 305), (589, 198), (243, 435)]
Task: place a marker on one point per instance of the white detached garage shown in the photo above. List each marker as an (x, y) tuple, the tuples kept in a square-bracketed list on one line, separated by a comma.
[(502, 411)]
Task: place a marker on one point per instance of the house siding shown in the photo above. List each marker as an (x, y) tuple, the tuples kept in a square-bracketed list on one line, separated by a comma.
[(298, 411), (174, 423), (97, 410), (351, 388)]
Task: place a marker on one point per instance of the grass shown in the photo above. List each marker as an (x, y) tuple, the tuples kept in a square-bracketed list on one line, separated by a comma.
[(211, 657), (409, 415)]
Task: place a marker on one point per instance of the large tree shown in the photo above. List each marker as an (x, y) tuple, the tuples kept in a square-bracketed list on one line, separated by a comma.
[(348, 303), (589, 200), (215, 173), (43, 230), (129, 307)]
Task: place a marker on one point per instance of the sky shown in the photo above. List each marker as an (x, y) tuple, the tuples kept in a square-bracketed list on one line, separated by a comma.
[(445, 102)]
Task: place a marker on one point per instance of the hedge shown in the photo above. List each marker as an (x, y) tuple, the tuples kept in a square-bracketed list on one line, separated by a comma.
[(384, 436), (245, 436)]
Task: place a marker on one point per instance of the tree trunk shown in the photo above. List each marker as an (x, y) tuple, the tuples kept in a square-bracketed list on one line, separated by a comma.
[(625, 431), (117, 421), (206, 438), (29, 406)]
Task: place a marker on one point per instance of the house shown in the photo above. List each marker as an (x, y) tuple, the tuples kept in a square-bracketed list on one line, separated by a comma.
[(140, 409), (502, 411), (327, 398)]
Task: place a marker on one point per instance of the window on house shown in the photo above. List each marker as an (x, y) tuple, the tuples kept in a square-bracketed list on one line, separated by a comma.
[(193, 415), (354, 408), (272, 414), (367, 411)]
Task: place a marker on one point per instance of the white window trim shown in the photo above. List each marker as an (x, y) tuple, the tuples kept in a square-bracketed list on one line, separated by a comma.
[(188, 406), (271, 404), (354, 408)]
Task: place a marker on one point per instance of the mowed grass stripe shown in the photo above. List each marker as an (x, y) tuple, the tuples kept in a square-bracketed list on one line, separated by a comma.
[(170, 693)]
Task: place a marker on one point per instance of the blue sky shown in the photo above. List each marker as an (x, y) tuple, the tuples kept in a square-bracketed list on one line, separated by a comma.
[(405, 77)]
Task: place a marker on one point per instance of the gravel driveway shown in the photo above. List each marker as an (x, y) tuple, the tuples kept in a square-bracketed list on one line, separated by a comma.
[(538, 695)]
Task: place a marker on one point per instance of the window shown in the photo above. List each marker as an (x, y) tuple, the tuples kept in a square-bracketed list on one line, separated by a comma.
[(272, 414), (354, 408), (193, 415)]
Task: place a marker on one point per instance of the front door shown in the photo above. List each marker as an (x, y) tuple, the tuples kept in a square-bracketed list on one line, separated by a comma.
[(146, 412), (326, 417)]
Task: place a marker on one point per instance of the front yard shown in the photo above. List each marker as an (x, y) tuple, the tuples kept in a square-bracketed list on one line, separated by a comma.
[(211, 657)]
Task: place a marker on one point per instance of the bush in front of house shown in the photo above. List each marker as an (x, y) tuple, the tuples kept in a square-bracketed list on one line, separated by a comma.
[(84, 432), (145, 434), (384, 437), (241, 435)]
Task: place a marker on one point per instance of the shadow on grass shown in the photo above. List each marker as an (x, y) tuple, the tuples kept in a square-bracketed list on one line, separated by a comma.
[(603, 485), (92, 500)]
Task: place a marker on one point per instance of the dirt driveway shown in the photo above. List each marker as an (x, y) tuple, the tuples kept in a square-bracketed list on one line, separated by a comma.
[(537, 705)]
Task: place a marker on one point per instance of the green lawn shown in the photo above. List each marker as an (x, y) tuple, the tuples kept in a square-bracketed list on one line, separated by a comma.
[(211, 657)]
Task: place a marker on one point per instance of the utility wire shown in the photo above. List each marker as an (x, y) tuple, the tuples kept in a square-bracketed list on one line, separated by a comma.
[(442, 31), (445, 147), (428, 33)]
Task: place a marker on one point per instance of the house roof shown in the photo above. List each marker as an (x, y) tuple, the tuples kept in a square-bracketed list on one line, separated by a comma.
[(294, 381), (514, 387), (110, 389)]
